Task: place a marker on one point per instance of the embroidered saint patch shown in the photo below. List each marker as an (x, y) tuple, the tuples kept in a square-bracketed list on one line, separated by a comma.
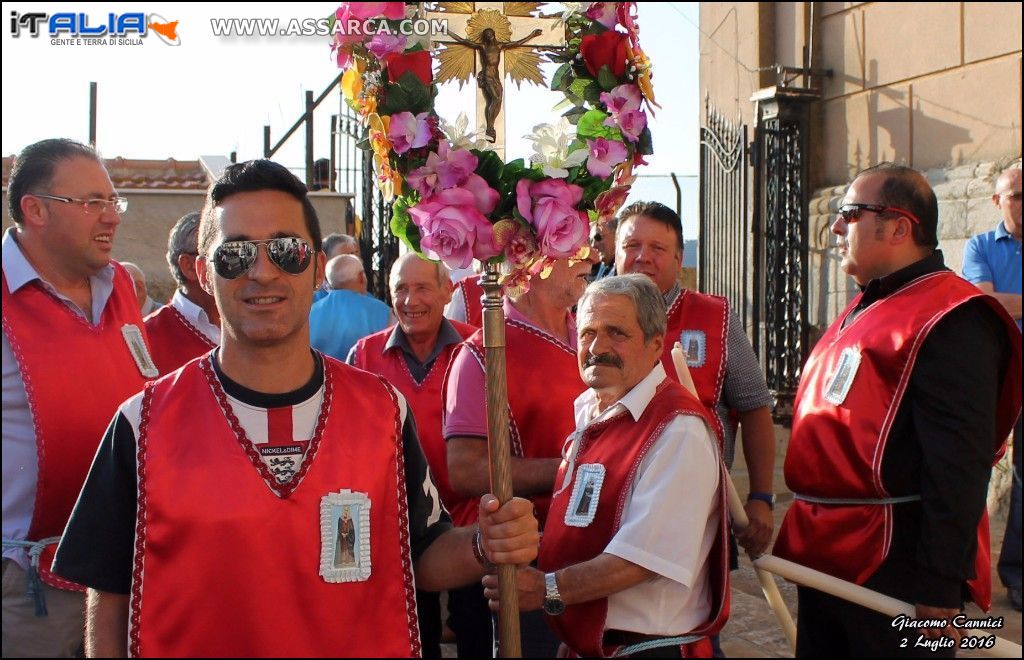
[(137, 347), (585, 493), (838, 386), (694, 343), (345, 537)]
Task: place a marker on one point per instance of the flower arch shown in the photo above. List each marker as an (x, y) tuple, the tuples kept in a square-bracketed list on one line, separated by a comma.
[(454, 200)]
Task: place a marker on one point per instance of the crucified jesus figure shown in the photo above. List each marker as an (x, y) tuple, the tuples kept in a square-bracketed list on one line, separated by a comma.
[(489, 76)]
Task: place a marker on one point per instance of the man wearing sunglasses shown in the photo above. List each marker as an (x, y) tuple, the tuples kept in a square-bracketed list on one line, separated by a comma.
[(901, 409), (992, 263), (210, 522), (188, 325), (69, 313)]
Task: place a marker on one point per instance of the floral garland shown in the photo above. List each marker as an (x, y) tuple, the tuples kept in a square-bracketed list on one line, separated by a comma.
[(454, 200)]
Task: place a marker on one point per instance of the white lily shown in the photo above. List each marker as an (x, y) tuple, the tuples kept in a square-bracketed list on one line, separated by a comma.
[(551, 148), (459, 136), (569, 9)]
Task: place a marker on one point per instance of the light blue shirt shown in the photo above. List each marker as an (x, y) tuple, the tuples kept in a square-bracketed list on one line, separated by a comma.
[(994, 257), (20, 464), (342, 317)]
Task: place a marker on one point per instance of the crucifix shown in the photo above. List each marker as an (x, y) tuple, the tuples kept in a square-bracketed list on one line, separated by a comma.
[(486, 30)]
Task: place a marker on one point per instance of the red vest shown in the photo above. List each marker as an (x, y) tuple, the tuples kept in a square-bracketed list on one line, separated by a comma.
[(173, 340), (620, 444), (227, 565), (704, 320), (426, 399), (539, 401), (472, 292), (57, 351), (845, 437)]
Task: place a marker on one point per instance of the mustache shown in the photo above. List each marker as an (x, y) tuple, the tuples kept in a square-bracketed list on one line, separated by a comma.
[(607, 359)]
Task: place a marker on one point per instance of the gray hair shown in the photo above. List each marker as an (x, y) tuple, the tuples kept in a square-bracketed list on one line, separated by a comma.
[(334, 242), (344, 270), (647, 300), (184, 239)]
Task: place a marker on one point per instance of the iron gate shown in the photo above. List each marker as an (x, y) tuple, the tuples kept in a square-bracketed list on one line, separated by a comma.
[(781, 240), (723, 251)]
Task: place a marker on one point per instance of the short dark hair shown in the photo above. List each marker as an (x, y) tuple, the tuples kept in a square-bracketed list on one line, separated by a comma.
[(184, 239), (253, 176), (907, 189), (34, 166), (655, 211)]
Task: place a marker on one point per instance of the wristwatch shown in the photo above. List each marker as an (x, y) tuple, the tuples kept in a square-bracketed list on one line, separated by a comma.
[(553, 604), (767, 498)]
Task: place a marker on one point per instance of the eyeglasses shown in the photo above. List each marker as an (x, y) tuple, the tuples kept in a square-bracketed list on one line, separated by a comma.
[(91, 206), (1013, 196), (234, 258), (850, 213)]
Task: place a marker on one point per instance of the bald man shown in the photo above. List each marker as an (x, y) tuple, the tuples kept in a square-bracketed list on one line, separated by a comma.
[(146, 304), (992, 263), (347, 313)]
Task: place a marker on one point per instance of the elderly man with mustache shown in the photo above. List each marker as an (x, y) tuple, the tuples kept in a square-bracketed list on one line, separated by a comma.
[(633, 561)]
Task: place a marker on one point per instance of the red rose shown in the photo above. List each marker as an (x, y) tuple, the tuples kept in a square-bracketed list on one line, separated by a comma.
[(609, 48), (417, 62)]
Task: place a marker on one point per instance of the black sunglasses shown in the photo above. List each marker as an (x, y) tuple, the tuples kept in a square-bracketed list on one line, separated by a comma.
[(850, 213), (234, 258)]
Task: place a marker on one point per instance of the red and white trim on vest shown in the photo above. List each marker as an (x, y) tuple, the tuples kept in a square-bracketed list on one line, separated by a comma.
[(620, 444), (226, 559), (472, 293), (173, 340), (852, 387), (426, 399), (540, 402), (76, 375), (707, 316)]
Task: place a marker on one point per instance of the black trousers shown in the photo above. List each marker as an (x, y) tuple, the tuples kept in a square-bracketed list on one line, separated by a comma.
[(830, 627), (470, 620), (428, 609)]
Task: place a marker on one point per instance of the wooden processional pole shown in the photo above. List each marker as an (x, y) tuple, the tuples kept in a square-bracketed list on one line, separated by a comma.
[(498, 446)]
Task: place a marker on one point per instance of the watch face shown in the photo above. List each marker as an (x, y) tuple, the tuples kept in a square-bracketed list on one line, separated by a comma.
[(553, 606)]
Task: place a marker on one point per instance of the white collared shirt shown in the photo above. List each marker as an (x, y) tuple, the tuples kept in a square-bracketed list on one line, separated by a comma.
[(195, 315), (670, 518)]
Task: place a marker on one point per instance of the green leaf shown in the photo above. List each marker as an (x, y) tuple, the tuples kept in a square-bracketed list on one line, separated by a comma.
[(419, 94), (402, 225), (584, 88), (645, 143), (574, 114), (489, 168), (606, 79), (560, 75), (591, 125)]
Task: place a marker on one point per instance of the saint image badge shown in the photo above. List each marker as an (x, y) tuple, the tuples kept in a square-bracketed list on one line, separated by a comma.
[(694, 343), (837, 387), (137, 346), (345, 537), (585, 494)]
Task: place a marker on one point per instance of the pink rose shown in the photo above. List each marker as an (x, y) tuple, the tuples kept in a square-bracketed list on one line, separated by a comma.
[(605, 13), (549, 206), (453, 229), (604, 156), (407, 131)]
